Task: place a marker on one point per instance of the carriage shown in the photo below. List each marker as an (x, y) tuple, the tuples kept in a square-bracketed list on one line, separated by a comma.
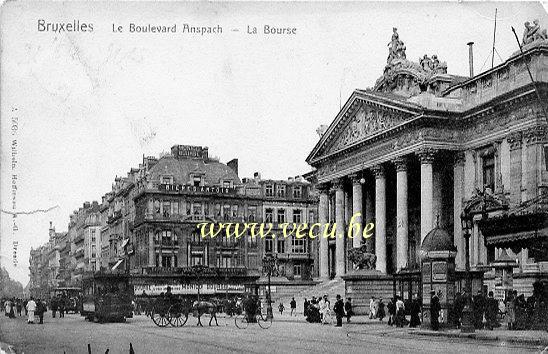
[(171, 311), (106, 297), (71, 297)]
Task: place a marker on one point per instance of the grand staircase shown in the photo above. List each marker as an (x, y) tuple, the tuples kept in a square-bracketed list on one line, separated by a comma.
[(329, 287)]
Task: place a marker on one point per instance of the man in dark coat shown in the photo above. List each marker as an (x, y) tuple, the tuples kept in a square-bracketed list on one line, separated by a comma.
[(434, 311), (491, 311), (338, 308), (479, 309), (415, 312), (305, 307), (40, 309), (348, 309)]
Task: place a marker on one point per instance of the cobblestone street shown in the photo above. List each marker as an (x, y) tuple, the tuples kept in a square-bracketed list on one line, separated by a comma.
[(72, 334)]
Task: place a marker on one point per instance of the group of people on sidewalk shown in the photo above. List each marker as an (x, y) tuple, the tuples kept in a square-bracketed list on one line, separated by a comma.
[(32, 308), (396, 311), (318, 310)]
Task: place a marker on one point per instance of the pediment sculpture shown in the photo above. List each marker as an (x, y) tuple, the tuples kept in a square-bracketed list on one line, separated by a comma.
[(367, 121)]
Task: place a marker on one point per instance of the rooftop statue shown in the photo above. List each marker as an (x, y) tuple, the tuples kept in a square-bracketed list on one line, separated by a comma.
[(533, 33), (396, 47)]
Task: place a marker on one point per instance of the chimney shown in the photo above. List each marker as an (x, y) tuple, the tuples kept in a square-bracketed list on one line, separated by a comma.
[(471, 57), (257, 176), (233, 164), (86, 205)]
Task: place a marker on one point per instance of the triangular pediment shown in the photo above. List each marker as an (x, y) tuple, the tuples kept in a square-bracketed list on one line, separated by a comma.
[(365, 115)]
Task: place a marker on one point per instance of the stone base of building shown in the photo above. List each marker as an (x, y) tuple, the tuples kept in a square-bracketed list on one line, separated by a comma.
[(283, 288), (361, 285)]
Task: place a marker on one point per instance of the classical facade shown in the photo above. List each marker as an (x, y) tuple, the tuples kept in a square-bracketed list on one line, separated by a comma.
[(422, 145)]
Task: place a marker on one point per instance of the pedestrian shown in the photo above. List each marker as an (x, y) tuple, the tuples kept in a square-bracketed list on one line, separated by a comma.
[(391, 312), (305, 307), (479, 309), (25, 307), (400, 312), (372, 308), (61, 307), (491, 310), (53, 306), (435, 308), (281, 308), (338, 308), (12, 308), (381, 313), (40, 310), (348, 309), (325, 310), (31, 307), (510, 311), (293, 305), (415, 311), (19, 306)]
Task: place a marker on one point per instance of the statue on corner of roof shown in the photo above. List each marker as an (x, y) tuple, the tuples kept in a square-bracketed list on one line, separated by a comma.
[(396, 47), (533, 33)]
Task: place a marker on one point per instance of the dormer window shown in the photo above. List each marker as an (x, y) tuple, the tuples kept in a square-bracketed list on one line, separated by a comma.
[(280, 190), (166, 180), (227, 184), (297, 192), (197, 181), (269, 190)]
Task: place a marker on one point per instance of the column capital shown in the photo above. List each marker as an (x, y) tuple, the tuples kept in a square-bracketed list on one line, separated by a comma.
[(426, 155), (355, 177), (338, 183), (514, 140), (401, 163), (323, 188), (535, 135), (459, 158), (378, 171)]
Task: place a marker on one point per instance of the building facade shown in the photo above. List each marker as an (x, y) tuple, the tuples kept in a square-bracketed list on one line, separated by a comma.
[(147, 225), (422, 146)]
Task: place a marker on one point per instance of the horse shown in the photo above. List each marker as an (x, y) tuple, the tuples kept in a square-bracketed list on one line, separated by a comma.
[(207, 307)]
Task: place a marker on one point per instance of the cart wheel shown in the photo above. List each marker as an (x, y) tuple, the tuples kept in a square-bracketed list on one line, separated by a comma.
[(159, 319), (264, 322), (241, 321), (177, 318)]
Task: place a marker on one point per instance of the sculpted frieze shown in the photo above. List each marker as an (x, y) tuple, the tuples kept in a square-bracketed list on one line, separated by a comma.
[(366, 122)]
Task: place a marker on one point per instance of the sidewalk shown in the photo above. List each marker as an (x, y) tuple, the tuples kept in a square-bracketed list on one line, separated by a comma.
[(501, 335)]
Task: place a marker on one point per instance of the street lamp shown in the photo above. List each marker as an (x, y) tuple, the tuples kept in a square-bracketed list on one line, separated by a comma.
[(269, 263), (198, 270), (467, 325)]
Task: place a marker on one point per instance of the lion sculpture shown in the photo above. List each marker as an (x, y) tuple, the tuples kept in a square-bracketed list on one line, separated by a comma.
[(361, 258)]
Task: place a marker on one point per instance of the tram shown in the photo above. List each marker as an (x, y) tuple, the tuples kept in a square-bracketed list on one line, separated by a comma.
[(107, 297)]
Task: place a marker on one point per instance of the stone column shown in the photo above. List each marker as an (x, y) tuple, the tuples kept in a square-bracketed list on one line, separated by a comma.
[(514, 140), (426, 157), (151, 253), (401, 213), (339, 220), (357, 207), (380, 218), (323, 219), (458, 194), (533, 152), (369, 217)]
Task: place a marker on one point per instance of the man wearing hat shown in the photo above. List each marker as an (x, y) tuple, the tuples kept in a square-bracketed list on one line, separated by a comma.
[(434, 310)]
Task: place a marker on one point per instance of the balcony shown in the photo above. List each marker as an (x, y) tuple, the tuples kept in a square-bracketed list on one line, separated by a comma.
[(166, 243)]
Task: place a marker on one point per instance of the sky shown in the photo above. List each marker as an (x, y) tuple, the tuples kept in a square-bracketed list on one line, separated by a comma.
[(90, 105)]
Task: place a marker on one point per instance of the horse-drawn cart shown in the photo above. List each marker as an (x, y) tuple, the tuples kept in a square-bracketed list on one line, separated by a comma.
[(172, 311)]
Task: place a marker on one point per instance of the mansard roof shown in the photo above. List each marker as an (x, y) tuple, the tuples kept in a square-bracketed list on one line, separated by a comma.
[(182, 170)]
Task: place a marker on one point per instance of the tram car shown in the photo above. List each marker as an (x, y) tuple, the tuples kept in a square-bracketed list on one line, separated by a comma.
[(71, 296), (107, 297)]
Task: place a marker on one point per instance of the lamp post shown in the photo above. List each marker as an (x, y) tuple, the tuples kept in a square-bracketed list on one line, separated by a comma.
[(467, 325), (198, 269), (268, 265)]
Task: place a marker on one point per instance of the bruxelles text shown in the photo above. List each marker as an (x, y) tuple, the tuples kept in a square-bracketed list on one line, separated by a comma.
[(298, 230)]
